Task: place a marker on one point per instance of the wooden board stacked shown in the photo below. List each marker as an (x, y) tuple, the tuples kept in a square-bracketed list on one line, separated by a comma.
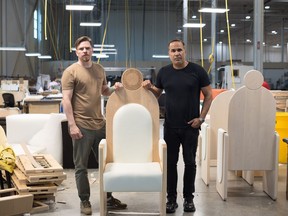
[(281, 97), (38, 175)]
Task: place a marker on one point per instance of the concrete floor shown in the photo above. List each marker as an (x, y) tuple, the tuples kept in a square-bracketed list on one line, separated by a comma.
[(242, 199)]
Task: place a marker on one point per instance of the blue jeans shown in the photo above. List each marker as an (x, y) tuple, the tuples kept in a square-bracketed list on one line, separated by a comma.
[(188, 138), (81, 151)]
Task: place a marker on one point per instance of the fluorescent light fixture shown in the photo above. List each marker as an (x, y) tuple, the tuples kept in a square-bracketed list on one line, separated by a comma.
[(80, 7), (110, 53), (104, 45), (194, 25), (247, 17), (267, 7), (104, 49), (13, 48), (160, 56), (32, 54), (90, 24), (44, 57), (213, 10), (98, 55), (233, 25), (276, 46)]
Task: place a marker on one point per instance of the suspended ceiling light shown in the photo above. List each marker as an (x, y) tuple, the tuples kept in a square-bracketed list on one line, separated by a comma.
[(104, 49), (110, 53), (32, 54), (104, 45), (98, 55), (276, 46), (194, 25), (13, 48), (160, 56), (80, 7), (90, 24), (44, 57), (213, 10)]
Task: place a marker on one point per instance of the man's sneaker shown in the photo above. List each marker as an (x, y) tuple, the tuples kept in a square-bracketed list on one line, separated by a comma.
[(189, 205), (171, 206), (113, 203), (85, 207)]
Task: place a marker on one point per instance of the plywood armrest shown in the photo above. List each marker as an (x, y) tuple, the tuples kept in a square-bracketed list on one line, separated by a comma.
[(220, 153), (102, 153), (162, 152)]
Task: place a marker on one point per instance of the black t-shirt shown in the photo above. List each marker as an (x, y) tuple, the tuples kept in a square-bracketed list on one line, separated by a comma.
[(182, 93)]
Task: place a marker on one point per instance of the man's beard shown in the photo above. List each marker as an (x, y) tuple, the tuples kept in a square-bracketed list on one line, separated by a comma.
[(86, 58)]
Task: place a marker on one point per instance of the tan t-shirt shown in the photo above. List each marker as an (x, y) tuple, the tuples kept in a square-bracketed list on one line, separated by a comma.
[(86, 100)]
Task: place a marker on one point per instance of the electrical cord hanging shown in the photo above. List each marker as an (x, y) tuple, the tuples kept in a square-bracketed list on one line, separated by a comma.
[(229, 45), (105, 30), (211, 56), (201, 38), (70, 30), (127, 35)]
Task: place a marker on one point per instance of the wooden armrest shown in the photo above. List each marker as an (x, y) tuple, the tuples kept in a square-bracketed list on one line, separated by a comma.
[(102, 153)]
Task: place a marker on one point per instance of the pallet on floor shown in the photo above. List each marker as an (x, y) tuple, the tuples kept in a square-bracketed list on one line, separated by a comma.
[(43, 188), (47, 164)]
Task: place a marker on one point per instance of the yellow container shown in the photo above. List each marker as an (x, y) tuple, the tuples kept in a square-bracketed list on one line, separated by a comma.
[(282, 128)]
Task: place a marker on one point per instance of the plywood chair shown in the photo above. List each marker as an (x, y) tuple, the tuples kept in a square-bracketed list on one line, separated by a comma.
[(217, 119), (250, 142), (132, 158)]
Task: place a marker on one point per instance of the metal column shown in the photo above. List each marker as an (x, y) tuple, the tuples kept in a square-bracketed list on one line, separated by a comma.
[(258, 34)]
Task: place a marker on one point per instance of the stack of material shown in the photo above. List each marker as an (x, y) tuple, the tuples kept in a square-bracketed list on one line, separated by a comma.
[(38, 175), (281, 97)]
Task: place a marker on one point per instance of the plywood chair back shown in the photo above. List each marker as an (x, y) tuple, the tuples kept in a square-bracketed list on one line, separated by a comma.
[(218, 118), (251, 125)]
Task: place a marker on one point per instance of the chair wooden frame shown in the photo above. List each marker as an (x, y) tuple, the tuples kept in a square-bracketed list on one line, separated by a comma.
[(251, 127), (134, 93)]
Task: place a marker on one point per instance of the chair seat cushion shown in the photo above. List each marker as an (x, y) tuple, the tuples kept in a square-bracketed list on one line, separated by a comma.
[(132, 177)]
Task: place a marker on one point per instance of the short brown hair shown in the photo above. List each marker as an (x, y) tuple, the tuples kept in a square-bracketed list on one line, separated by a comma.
[(81, 39), (176, 40)]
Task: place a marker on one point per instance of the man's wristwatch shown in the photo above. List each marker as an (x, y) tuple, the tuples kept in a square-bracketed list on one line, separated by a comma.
[(201, 120)]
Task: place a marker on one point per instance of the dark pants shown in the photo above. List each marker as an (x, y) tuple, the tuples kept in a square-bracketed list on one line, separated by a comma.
[(81, 151), (188, 138)]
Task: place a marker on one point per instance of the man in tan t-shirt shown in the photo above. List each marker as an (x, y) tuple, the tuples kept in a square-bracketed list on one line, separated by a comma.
[(83, 83)]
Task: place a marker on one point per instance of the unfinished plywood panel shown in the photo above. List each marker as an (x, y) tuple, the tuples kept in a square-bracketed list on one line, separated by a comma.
[(11, 203)]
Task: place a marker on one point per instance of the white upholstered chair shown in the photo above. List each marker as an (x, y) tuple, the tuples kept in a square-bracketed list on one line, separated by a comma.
[(132, 158), (250, 142)]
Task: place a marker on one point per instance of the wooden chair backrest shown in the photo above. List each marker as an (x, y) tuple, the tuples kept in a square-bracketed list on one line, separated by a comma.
[(132, 92), (251, 125)]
